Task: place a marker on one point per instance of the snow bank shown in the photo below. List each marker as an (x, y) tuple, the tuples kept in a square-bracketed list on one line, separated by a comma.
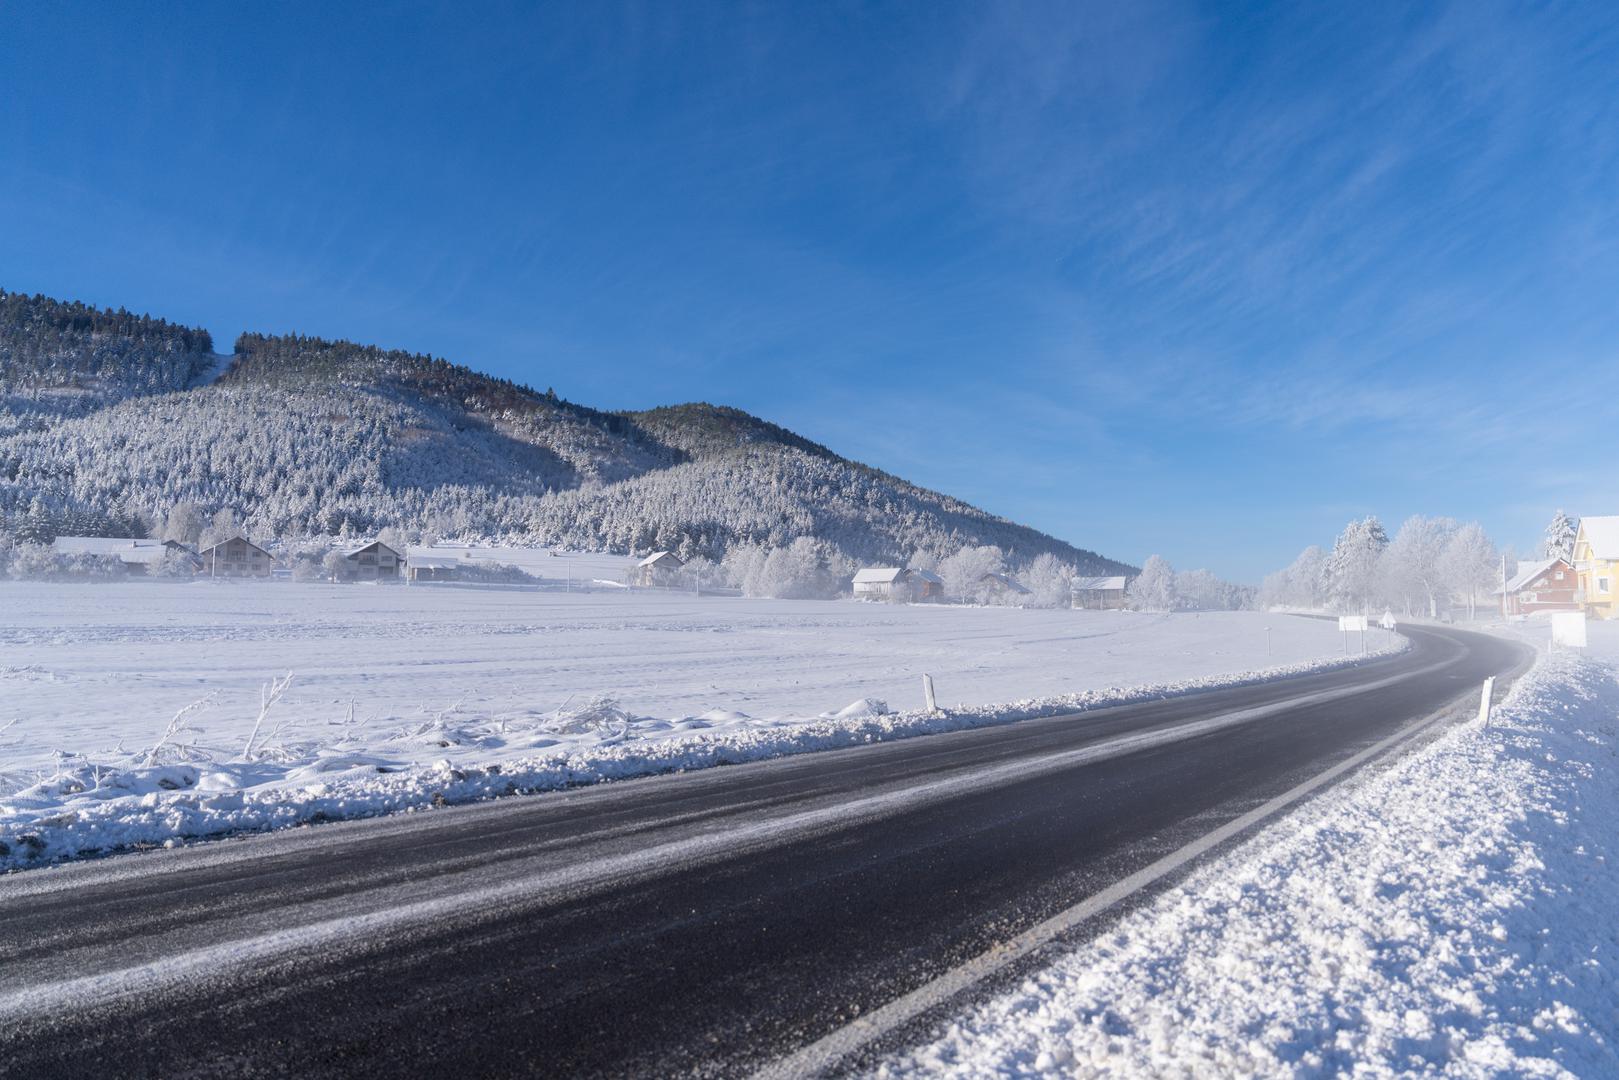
[(187, 787), (1451, 915)]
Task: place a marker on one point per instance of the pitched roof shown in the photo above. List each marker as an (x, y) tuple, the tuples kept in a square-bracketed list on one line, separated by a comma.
[(658, 556), (1116, 583), (128, 549), (879, 575), (351, 553), (1528, 572), (928, 576), (232, 539), (1602, 533), (1006, 581), (433, 562)]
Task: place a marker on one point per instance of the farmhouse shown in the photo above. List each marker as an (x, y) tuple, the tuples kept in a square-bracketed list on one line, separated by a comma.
[(374, 562), (1099, 593), (1596, 560), (236, 557), (139, 556), (658, 568), (896, 585), (1549, 585)]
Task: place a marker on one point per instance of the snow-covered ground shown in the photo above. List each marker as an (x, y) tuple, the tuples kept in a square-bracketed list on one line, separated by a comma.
[(1452, 915), (406, 696)]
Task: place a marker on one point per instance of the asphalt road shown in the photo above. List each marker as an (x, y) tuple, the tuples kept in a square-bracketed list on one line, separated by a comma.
[(706, 923)]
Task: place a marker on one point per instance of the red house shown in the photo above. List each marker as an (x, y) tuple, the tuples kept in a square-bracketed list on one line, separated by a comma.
[(1550, 585)]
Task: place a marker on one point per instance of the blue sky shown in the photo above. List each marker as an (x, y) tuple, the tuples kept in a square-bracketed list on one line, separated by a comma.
[(1202, 280)]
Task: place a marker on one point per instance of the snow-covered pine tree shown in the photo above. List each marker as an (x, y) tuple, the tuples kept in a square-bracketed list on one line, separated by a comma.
[(1352, 577), (1558, 540)]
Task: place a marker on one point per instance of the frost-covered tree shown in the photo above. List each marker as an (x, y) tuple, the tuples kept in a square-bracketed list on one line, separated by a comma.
[(1050, 583), (1471, 565), (1413, 569), (1154, 588), (1558, 541), (183, 523), (1300, 585), (964, 572), (1201, 590), (1351, 576)]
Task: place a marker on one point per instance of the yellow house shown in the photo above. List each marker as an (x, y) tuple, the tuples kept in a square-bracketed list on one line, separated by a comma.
[(1596, 558)]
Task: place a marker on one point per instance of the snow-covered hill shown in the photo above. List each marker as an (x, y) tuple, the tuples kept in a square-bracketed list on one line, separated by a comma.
[(302, 436)]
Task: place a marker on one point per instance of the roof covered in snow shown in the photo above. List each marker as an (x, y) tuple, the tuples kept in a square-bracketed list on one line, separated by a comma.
[(879, 575), (432, 562), (1602, 533), (1528, 572), (1100, 584), (129, 549), (1007, 582), (378, 544), (928, 576), (660, 556)]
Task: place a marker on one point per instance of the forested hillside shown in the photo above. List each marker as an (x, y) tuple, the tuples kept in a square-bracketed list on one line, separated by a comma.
[(62, 357), (306, 437)]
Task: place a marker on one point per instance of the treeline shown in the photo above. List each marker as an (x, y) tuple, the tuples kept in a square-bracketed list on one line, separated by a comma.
[(1429, 566), (64, 356)]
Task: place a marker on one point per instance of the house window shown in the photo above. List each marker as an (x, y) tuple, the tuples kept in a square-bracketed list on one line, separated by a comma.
[(1559, 575), (1602, 585), (1529, 598)]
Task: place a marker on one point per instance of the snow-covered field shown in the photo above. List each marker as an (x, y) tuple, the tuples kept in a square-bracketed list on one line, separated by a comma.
[(1452, 915), (406, 696)]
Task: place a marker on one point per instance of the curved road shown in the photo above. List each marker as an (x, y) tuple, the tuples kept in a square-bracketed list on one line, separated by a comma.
[(786, 916)]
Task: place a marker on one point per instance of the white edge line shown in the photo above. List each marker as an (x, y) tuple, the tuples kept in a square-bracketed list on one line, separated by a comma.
[(821, 1055)]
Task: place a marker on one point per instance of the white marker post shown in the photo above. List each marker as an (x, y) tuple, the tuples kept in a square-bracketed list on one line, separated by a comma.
[(927, 693), (1484, 705)]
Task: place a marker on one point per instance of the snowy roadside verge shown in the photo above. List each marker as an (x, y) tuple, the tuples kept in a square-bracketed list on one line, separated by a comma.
[(175, 792), (1449, 915)]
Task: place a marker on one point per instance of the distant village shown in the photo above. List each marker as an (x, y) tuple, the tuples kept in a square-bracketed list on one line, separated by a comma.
[(237, 557), (1584, 578)]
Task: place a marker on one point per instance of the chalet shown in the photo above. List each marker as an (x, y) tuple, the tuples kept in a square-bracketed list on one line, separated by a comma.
[(1596, 560), (1549, 585), (236, 557), (374, 562), (139, 556), (897, 586), (658, 568), (1099, 593)]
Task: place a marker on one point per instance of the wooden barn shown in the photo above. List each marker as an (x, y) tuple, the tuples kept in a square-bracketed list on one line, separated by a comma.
[(658, 568), (1099, 593)]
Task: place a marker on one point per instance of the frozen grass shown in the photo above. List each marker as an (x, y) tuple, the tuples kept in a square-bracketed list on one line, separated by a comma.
[(1451, 916), (333, 742)]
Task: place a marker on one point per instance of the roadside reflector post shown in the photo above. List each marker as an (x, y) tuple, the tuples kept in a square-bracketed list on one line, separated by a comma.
[(1484, 704), (927, 693)]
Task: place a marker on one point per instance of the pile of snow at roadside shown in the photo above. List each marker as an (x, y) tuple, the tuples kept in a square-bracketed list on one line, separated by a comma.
[(188, 787), (1453, 915)]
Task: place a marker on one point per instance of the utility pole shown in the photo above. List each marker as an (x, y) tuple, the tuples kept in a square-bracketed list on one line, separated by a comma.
[(1503, 586)]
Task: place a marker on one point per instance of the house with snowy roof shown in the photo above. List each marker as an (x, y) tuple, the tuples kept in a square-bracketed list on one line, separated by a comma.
[(375, 561), (1596, 559), (1547, 585), (896, 585), (658, 568), (236, 556), (1099, 593), (139, 555), (1001, 589)]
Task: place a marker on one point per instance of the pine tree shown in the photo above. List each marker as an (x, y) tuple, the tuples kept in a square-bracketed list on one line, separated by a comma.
[(1558, 542)]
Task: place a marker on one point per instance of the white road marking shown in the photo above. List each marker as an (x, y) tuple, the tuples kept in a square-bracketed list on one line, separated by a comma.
[(217, 960), (822, 1055)]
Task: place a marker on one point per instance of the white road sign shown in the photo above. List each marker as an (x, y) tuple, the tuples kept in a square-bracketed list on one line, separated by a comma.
[(1347, 623)]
